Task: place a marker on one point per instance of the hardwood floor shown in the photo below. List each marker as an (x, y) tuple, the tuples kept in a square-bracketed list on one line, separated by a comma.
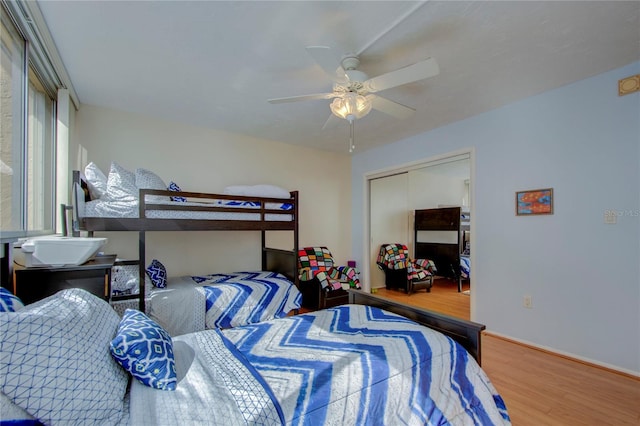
[(444, 297), (540, 388)]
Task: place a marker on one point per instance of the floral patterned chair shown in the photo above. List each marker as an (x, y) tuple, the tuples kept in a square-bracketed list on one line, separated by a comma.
[(322, 283), (402, 272)]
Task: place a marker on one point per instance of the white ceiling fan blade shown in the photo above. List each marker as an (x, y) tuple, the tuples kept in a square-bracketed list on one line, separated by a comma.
[(392, 108), (328, 62), (303, 98), (421, 70)]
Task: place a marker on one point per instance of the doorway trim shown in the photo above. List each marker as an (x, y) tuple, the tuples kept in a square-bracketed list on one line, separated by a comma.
[(403, 168)]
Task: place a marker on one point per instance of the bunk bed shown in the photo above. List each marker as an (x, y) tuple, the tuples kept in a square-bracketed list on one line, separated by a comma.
[(443, 235), (170, 210)]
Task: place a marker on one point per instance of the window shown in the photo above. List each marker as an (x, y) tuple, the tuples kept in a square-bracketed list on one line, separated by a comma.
[(40, 157), (27, 139)]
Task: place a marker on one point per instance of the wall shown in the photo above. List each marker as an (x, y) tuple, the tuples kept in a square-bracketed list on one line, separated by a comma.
[(203, 160), (439, 185), (582, 140)]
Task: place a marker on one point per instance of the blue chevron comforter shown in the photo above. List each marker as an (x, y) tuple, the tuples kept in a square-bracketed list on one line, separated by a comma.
[(247, 297), (350, 365), (196, 303)]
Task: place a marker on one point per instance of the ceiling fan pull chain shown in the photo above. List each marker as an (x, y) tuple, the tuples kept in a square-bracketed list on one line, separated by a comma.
[(351, 145)]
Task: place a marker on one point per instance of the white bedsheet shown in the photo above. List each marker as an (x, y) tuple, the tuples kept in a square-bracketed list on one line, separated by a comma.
[(214, 388)]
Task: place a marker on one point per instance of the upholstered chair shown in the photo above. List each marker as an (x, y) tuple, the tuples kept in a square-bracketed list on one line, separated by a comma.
[(403, 272), (322, 282)]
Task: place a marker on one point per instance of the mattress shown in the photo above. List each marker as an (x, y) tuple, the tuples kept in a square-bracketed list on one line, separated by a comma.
[(119, 209)]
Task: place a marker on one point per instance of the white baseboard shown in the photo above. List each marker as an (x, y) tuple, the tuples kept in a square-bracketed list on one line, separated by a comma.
[(578, 358)]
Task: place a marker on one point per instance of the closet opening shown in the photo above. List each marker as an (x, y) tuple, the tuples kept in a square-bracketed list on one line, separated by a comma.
[(426, 206)]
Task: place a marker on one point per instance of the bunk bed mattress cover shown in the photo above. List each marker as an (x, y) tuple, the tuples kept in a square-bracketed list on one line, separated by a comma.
[(120, 209), (348, 365), (195, 303)]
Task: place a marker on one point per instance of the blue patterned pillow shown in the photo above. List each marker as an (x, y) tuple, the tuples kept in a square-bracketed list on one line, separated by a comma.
[(158, 273), (174, 187), (145, 350), (8, 301)]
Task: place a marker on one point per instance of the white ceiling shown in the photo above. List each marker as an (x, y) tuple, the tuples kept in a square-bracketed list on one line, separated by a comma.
[(215, 63)]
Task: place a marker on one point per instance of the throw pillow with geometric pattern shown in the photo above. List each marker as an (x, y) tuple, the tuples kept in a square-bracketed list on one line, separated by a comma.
[(9, 302), (145, 350), (55, 362), (158, 273), (174, 187)]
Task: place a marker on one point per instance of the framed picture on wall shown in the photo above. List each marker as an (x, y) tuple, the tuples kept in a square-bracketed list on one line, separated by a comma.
[(534, 201)]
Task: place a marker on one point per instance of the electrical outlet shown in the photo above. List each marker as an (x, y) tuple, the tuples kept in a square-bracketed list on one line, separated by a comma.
[(610, 218), (527, 302)]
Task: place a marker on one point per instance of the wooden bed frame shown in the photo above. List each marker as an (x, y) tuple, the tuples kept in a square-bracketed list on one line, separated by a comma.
[(467, 333), (276, 260)]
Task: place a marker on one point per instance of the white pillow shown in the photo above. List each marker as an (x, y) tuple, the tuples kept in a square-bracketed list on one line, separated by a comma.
[(96, 181), (55, 361), (121, 184), (269, 191), (146, 179)]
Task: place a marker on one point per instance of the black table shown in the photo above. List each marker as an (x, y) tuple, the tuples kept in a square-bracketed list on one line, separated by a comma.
[(35, 283)]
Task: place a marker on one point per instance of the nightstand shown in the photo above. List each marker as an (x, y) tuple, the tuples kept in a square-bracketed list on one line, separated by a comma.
[(33, 284)]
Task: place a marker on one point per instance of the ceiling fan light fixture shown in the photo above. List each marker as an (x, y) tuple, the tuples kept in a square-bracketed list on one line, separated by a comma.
[(351, 106)]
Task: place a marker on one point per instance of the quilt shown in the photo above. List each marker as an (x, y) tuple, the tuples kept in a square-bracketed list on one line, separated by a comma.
[(247, 297), (195, 303), (349, 365), (356, 364), (465, 267)]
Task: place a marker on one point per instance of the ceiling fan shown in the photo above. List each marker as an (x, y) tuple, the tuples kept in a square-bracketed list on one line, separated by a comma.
[(354, 92)]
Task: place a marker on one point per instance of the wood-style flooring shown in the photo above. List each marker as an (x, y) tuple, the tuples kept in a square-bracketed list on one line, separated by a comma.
[(444, 297), (538, 387)]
